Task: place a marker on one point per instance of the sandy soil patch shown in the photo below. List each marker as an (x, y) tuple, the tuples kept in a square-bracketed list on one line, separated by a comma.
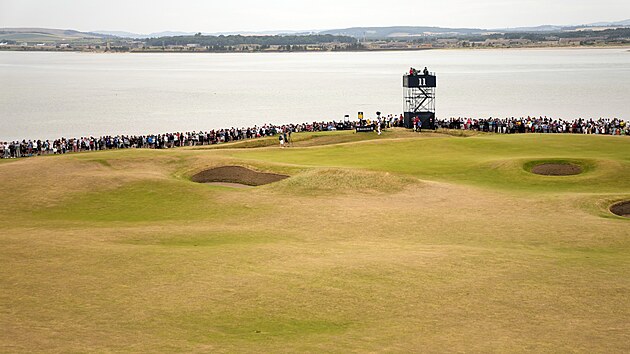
[(557, 169), (236, 175), (231, 185), (621, 209)]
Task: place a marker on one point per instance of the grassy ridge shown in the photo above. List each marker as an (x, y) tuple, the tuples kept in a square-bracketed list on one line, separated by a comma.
[(393, 243)]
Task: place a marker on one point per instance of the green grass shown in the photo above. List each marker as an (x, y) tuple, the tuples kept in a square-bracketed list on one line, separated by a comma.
[(31, 37), (399, 243), (489, 160)]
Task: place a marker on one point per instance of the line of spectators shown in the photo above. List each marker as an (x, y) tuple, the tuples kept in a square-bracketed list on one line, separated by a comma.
[(25, 148), (31, 147), (539, 125)]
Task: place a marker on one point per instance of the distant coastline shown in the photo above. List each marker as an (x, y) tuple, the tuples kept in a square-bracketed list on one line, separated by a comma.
[(362, 50), (371, 39)]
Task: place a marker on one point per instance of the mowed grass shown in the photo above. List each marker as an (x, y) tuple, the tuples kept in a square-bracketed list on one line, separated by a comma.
[(489, 160), (398, 243)]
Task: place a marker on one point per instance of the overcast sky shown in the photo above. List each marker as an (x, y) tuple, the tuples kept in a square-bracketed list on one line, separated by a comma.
[(144, 16)]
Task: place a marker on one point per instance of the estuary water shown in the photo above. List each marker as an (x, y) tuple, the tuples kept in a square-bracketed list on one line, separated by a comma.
[(49, 95)]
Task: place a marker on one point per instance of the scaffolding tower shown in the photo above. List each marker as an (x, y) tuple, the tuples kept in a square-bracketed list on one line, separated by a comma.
[(419, 99)]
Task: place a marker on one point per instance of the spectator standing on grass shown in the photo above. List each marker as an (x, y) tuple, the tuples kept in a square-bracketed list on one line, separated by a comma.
[(281, 139)]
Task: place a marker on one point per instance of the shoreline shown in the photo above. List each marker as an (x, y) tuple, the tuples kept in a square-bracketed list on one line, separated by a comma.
[(35, 50)]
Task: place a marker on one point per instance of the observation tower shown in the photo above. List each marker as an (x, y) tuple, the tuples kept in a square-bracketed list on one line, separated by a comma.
[(419, 98)]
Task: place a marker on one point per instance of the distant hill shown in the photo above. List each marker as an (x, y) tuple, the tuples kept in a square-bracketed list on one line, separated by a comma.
[(46, 35), (616, 23), (417, 31), (399, 31), (123, 34), (556, 28), (168, 34), (543, 28)]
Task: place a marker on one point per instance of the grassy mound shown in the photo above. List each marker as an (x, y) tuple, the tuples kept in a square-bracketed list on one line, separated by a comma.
[(345, 181)]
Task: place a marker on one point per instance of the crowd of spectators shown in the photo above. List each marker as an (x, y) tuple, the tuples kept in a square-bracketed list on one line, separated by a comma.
[(25, 148), (539, 125), (32, 147)]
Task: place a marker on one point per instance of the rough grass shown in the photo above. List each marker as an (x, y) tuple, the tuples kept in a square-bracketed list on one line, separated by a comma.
[(136, 202), (119, 251)]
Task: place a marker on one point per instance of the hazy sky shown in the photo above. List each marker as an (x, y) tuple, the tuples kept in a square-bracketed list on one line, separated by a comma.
[(144, 16)]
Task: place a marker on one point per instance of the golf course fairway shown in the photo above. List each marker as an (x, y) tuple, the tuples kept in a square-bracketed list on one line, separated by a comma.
[(404, 242)]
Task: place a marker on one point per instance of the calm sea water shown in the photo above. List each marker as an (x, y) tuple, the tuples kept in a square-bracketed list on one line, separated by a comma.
[(47, 95)]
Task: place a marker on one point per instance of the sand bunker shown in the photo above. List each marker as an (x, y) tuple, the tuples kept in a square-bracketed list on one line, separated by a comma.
[(621, 209), (236, 175), (557, 169)]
